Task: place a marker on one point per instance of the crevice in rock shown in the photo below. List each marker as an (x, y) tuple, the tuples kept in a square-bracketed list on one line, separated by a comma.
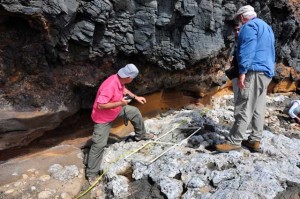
[(292, 191), (128, 174), (142, 189)]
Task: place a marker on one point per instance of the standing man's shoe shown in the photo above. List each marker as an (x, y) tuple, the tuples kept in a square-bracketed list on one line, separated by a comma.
[(226, 147), (252, 145)]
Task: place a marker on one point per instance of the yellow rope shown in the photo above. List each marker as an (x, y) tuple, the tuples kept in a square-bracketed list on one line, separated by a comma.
[(127, 153), (103, 173)]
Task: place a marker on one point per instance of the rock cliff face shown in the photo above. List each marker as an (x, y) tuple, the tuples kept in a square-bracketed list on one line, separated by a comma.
[(55, 53)]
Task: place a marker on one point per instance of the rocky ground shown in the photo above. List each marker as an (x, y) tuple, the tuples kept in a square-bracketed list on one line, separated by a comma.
[(180, 164)]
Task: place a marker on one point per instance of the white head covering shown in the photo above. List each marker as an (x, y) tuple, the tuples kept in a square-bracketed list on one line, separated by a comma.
[(130, 70), (245, 11)]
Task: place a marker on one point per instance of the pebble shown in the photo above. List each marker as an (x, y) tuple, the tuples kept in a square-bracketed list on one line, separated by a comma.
[(32, 170), (44, 195), (45, 178), (65, 196), (16, 184), (24, 176), (9, 191)]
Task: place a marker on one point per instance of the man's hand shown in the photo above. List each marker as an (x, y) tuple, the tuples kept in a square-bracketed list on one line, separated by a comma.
[(297, 120), (141, 100), (125, 101), (241, 81)]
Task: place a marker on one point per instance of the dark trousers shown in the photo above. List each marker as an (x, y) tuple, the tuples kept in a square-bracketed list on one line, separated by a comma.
[(101, 134)]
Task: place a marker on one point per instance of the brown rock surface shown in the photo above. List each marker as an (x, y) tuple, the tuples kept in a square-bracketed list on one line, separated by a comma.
[(28, 176)]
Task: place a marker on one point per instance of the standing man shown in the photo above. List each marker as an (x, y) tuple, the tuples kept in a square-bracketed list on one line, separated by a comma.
[(109, 105), (256, 60)]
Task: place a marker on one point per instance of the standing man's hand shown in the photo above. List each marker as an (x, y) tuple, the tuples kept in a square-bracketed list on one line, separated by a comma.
[(241, 81), (141, 100)]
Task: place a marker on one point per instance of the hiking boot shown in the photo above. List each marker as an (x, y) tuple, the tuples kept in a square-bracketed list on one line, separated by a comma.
[(145, 136), (252, 145), (226, 147), (92, 179)]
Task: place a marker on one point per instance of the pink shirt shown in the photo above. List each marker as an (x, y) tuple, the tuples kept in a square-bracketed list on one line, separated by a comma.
[(111, 90)]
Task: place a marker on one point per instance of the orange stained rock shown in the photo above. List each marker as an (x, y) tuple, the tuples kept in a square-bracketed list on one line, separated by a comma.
[(16, 77), (156, 103), (285, 85), (165, 100)]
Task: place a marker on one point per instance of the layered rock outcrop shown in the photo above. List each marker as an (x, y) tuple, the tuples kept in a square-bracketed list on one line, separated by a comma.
[(55, 53), (180, 163)]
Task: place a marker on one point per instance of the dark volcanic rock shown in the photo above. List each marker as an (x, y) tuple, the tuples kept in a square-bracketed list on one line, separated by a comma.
[(56, 53)]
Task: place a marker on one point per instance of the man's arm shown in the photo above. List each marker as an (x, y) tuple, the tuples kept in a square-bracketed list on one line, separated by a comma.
[(110, 105), (247, 41), (241, 81), (292, 109), (247, 44), (291, 112), (141, 100), (128, 92)]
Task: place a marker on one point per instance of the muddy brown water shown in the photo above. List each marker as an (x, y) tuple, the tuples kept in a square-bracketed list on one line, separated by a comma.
[(79, 133)]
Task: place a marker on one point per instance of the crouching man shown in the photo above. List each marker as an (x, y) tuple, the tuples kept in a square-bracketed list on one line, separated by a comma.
[(110, 104)]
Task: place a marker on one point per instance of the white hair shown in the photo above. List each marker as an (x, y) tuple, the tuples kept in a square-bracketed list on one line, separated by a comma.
[(249, 15)]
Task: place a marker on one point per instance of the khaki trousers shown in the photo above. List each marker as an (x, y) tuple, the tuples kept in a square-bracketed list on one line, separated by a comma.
[(250, 108), (101, 134)]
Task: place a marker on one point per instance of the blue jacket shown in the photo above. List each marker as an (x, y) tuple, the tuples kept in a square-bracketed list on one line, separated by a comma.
[(256, 50)]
